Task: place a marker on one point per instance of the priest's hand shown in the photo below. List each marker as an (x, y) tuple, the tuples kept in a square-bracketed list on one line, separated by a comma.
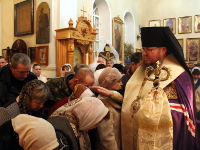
[(101, 90)]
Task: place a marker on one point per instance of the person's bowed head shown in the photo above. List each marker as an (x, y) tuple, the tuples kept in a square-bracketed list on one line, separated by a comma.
[(86, 112), (33, 96), (29, 133)]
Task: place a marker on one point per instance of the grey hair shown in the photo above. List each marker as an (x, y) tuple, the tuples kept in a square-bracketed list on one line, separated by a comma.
[(20, 58), (40, 91)]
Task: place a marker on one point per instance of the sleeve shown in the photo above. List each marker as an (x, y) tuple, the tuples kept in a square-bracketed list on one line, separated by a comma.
[(106, 133), (117, 97)]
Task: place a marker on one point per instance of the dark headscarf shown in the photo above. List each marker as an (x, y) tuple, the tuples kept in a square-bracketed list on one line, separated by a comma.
[(163, 37)]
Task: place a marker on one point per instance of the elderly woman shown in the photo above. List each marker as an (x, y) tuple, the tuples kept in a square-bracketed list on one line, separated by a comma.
[(109, 130), (83, 114), (32, 98)]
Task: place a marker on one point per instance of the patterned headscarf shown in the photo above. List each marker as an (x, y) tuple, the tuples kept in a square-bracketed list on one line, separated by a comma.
[(84, 112), (80, 91), (25, 98)]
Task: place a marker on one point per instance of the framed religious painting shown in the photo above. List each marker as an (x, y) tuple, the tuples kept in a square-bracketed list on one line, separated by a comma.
[(78, 56), (154, 23), (171, 23), (4, 54), (24, 18), (185, 24), (197, 23), (192, 49), (32, 54), (118, 37), (42, 53), (42, 23), (180, 42)]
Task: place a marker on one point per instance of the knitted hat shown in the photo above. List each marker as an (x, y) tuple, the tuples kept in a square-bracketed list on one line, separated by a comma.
[(9, 112), (109, 76), (34, 133), (4, 115)]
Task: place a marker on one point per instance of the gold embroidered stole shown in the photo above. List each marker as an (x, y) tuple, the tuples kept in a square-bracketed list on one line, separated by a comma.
[(155, 122), (129, 123)]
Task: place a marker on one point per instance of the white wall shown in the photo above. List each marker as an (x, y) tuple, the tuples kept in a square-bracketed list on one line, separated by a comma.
[(60, 13), (130, 33), (154, 10), (67, 10)]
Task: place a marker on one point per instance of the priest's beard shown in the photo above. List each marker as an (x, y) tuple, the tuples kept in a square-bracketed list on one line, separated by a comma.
[(151, 64), (145, 65)]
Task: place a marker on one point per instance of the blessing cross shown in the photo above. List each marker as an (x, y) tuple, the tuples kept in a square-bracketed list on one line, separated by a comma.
[(83, 11)]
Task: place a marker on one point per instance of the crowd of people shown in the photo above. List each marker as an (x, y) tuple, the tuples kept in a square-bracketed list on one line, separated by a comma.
[(151, 103)]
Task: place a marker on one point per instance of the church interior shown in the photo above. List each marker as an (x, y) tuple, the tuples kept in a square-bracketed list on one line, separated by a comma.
[(56, 32)]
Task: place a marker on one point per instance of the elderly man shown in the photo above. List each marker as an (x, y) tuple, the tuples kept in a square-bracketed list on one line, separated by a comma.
[(62, 87), (160, 117), (136, 61), (14, 76), (109, 63), (100, 60)]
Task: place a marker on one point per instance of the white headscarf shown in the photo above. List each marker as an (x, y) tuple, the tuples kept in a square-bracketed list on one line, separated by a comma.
[(69, 66), (195, 68), (34, 133), (93, 66), (96, 76)]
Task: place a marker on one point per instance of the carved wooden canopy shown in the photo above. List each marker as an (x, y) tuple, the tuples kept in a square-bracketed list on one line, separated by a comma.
[(74, 45)]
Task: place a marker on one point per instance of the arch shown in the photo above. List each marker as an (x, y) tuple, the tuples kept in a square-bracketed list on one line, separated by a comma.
[(129, 28), (105, 22)]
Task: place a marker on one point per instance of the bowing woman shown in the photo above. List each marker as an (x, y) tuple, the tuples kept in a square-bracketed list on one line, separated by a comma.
[(32, 98)]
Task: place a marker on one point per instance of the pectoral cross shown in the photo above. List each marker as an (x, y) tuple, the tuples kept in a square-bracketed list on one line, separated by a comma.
[(83, 11), (158, 64), (157, 72)]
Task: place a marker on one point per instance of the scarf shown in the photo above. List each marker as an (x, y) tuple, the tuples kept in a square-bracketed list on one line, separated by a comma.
[(83, 114), (25, 98)]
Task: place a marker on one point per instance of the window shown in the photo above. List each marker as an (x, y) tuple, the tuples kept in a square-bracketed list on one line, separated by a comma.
[(96, 23)]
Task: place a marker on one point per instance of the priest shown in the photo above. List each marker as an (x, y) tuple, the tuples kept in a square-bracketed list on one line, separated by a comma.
[(159, 117)]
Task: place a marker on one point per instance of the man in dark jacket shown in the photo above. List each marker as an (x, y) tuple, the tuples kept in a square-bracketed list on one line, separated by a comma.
[(136, 60), (14, 76)]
